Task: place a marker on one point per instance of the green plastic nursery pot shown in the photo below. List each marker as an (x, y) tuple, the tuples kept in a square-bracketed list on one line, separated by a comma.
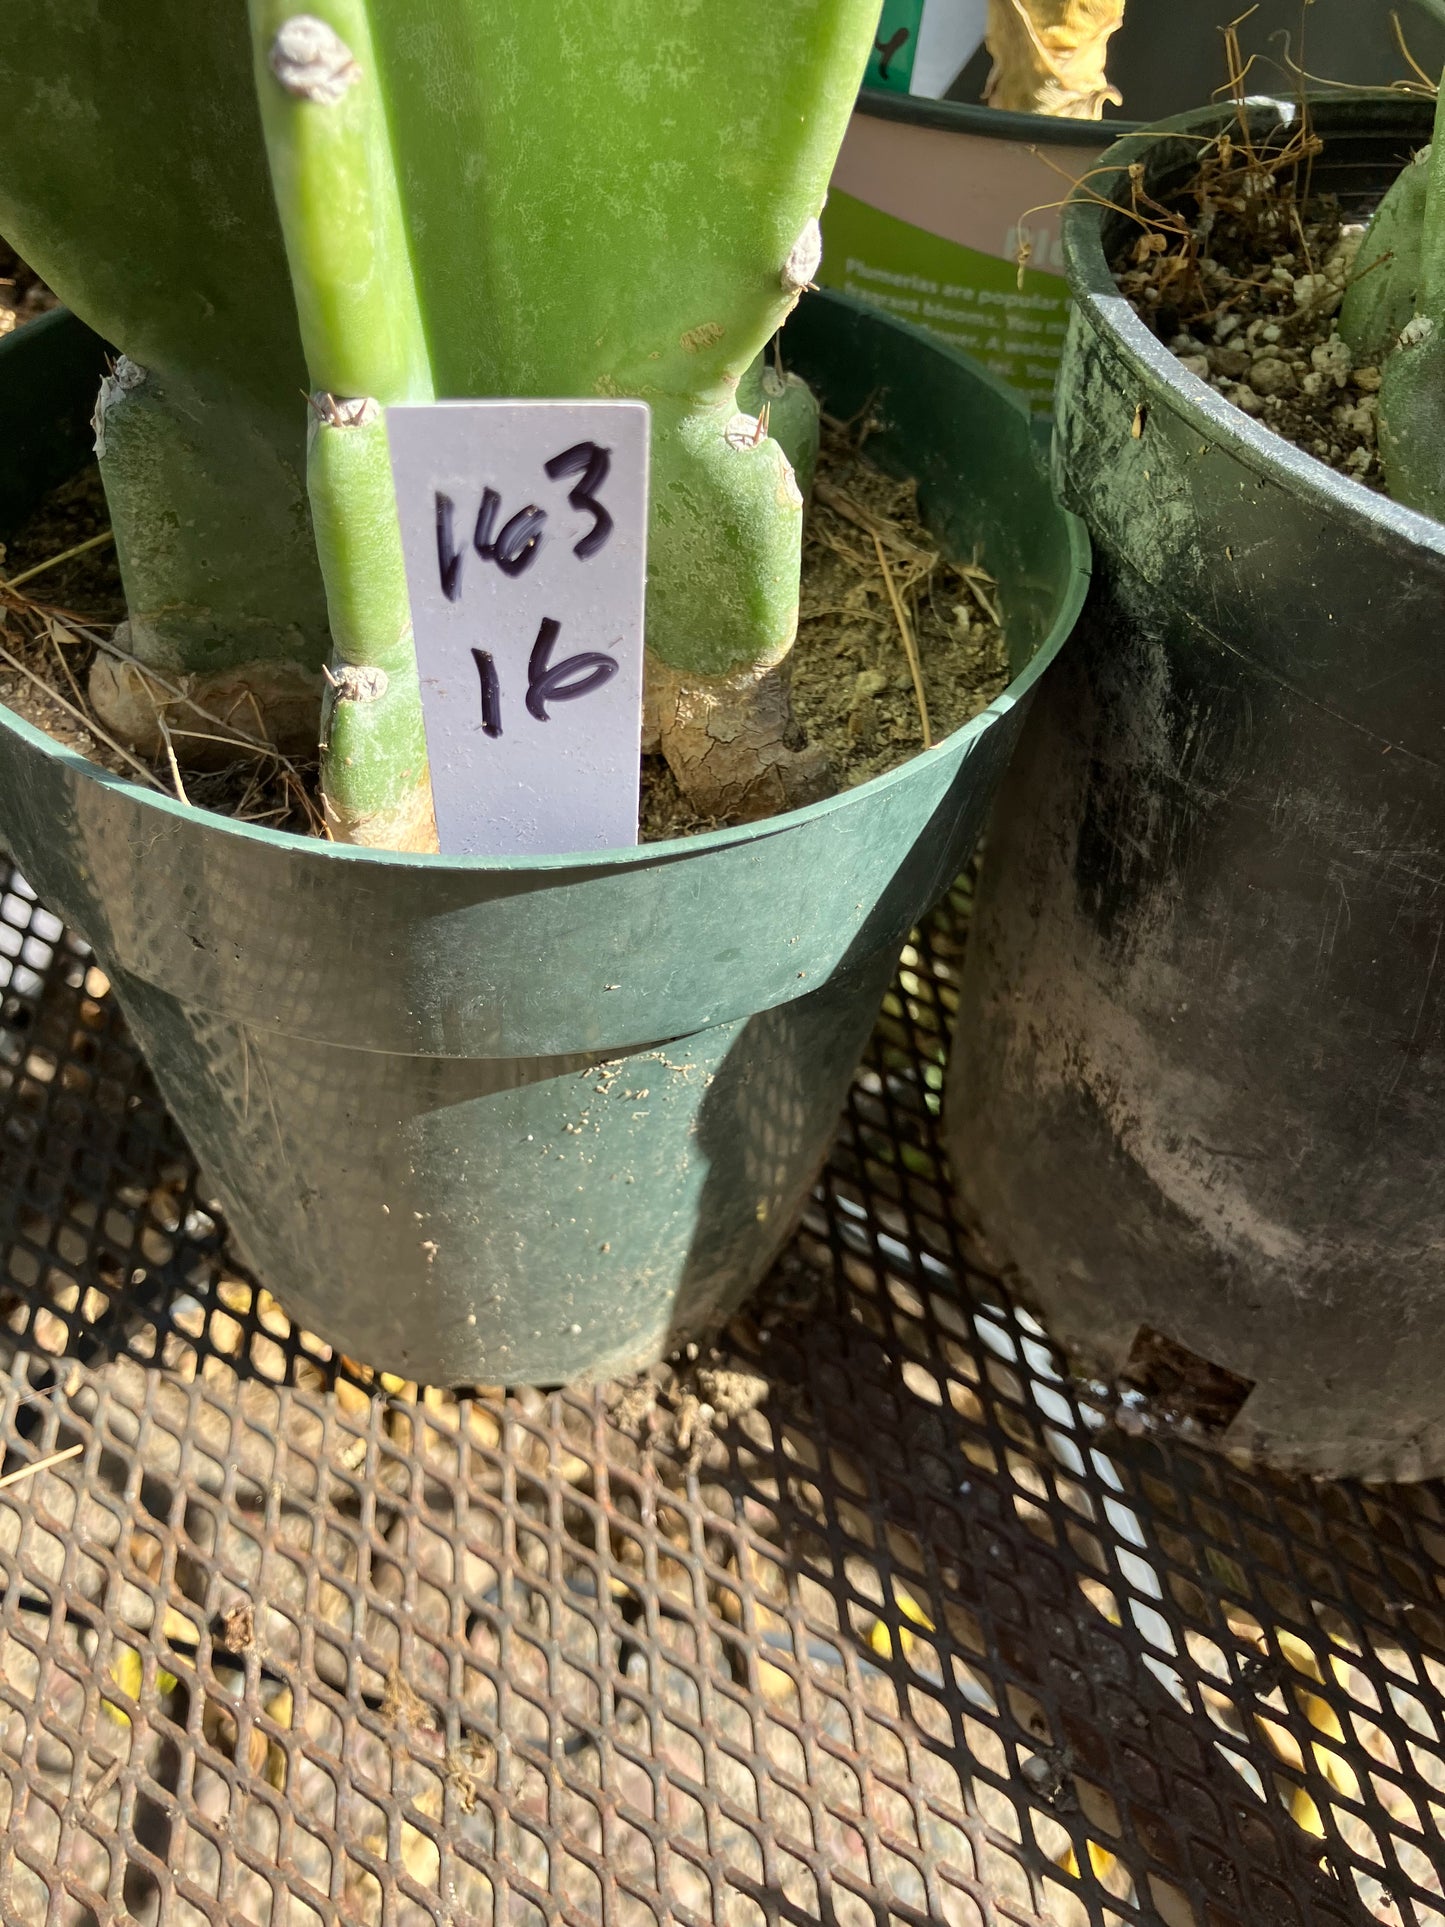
[(522, 1120), (1197, 1091)]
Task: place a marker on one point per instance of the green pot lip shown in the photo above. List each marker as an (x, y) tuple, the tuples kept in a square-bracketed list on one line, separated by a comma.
[(1101, 307), (992, 123), (671, 849)]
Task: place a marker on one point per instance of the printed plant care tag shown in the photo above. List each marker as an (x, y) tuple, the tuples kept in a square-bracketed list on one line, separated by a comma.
[(524, 527)]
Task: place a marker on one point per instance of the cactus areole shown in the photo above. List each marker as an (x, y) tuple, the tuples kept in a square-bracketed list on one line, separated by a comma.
[(1200, 1053), (379, 201)]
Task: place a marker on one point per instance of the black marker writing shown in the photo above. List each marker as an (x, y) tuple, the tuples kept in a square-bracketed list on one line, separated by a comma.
[(593, 464), (515, 549), (491, 693), (898, 40), (547, 681), (449, 556)]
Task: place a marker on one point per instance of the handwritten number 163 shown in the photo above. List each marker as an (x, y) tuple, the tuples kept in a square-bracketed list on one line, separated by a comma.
[(514, 546)]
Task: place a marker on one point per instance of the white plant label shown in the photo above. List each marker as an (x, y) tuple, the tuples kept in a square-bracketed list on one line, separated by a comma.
[(524, 527)]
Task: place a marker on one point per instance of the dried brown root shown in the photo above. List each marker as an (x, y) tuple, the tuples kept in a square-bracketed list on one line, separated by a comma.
[(273, 702), (1049, 56), (731, 741)]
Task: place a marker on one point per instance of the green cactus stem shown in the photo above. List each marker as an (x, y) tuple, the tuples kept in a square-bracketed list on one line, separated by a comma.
[(789, 407), (375, 788), (605, 202), (623, 200), (1385, 280), (1412, 386), (326, 135), (216, 556), (134, 181)]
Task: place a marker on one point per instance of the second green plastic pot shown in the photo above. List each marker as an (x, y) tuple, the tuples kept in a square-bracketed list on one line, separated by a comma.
[(511, 1121), (1197, 1092)]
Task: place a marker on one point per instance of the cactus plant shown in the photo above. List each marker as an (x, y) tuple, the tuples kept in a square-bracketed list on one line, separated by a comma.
[(1394, 316), (288, 219)]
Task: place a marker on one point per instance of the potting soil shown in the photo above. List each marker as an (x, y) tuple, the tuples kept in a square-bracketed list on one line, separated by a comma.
[(871, 575), (1242, 278)]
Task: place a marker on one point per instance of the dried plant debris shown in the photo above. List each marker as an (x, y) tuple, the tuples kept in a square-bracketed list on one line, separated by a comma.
[(60, 603), (677, 1410), (55, 576), (1242, 278), (1049, 56), (470, 1768), (402, 1707), (238, 1627), (897, 648), (877, 591), (897, 645)]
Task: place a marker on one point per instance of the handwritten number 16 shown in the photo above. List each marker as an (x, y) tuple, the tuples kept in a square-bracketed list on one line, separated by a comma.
[(547, 681)]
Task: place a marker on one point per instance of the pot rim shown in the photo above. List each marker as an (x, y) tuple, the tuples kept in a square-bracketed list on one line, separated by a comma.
[(318, 849), (992, 123), (1100, 305)]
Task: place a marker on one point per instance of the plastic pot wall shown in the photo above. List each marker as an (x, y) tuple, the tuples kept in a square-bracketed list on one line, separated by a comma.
[(509, 1121), (1199, 1079), (928, 195)]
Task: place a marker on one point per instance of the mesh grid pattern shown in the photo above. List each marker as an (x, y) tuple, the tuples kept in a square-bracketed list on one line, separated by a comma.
[(874, 1617)]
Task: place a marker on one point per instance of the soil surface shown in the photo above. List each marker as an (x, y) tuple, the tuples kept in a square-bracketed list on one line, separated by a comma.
[(853, 687), (43, 661), (872, 574), (852, 690), (1242, 279), (64, 609)]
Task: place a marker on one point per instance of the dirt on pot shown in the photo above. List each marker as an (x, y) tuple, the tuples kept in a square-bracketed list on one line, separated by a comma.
[(42, 677), (1242, 277), (897, 647)]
